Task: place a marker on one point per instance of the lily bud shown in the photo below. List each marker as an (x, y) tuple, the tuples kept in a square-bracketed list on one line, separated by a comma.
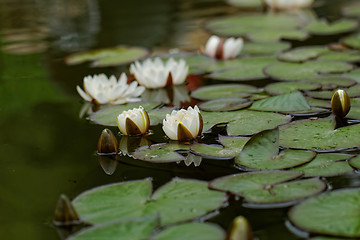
[(340, 103), (107, 142), (183, 124), (133, 122), (65, 213), (223, 49), (240, 230)]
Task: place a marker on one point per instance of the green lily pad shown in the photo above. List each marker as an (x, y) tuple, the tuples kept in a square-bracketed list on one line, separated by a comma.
[(193, 231), (355, 75), (242, 122), (352, 41), (223, 91), (273, 35), (162, 152), (355, 102), (326, 165), (107, 116), (322, 27), (289, 102), (333, 213), (298, 71), (225, 104), (344, 56), (232, 146), (327, 238), (256, 48), (261, 152), (354, 113), (355, 162), (330, 82), (353, 91), (246, 3), (319, 135), (289, 87), (240, 69), (129, 229), (351, 10), (318, 103), (176, 201), (270, 188), (108, 56), (302, 54)]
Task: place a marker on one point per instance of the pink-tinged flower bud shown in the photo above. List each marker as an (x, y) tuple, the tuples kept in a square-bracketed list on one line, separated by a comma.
[(223, 49)]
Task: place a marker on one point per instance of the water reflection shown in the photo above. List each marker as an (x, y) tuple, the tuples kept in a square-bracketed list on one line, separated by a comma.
[(192, 158), (129, 144), (175, 95), (108, 163)]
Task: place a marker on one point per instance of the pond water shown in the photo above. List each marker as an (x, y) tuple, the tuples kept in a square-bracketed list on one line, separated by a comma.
[(47, 149)]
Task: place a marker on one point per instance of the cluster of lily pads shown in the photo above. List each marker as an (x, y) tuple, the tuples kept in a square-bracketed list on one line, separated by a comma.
[(284, 138)]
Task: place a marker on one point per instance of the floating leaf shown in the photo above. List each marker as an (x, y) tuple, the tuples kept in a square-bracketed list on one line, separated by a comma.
[(322, 27), (130, 229), (355, 75), (273, 188), (333, 213), (289, 87), (302, 54), (176, 201), (327, 238), (318, 103), (223, 91), (107, 116), (354, 113), (241, 69), (253, 48), (245, 3), (345, 56), (351, 10), (326, 165), (355, 162), (330, 82), (289, 102), (319, 135), (108, 56), (353, 91), (225, 104), (261, 152), (162, 152), (353, 41), (273, 35), (297, 71), (232, 147)]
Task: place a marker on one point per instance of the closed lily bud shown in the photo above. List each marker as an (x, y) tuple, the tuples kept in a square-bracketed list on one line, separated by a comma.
[(240, 230), (65, 214), (133, 122), (107, 142), (223, 49), (183, 124), (340, 103)]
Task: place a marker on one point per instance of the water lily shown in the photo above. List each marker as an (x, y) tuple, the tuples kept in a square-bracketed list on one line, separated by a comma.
[(133, 122), (183, 124), (340, 103), (154, 73), (107, 143), (223, 49), (288, 4), (100, 89)]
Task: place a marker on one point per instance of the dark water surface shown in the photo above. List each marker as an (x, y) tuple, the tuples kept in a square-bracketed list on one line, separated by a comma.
[(46, 149)]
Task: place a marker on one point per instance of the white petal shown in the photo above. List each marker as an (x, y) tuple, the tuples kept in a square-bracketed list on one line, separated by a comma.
[(212, 45), (83, 94)]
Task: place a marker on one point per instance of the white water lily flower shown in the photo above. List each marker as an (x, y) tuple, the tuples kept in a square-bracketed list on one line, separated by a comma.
[(100, 89), (218, 48), (157, 74), (288, 4), (183, 124), (133, 122)]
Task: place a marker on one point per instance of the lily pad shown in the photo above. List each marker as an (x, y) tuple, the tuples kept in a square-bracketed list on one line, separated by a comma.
[(289, 102), (354, 113), (245, 3), (318, 103), (273, 35), (297, 71), (352, 41), (176, 201), (344, 56), (289, 87), (355, 162), (322, 27), (241, 69), (333, 213), (261, 152), (351, 10), (353, 91), (107, 116), (330, 82), (326, 165), (162, 152), (133, 229), (223, 91), (225, 104), (108, 56), (256, 48), (269, 188), (232, 146), (302, 54), (355, 75), (319, 135)]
